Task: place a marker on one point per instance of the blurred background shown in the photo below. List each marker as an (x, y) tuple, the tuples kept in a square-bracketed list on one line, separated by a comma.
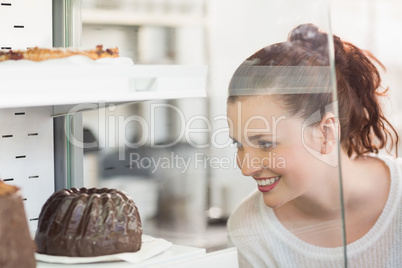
[(188, 195)]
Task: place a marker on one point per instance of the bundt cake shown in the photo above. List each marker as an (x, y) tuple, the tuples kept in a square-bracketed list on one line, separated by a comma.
[(16, 246), (88, 222)]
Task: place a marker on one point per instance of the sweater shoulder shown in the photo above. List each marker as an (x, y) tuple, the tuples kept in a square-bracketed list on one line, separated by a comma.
[(245, 213)]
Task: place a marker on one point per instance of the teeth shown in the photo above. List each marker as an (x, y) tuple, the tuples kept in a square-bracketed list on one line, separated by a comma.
[(267, 181)]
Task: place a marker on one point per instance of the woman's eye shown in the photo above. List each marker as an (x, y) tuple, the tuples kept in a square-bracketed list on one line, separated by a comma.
[(265, 144)]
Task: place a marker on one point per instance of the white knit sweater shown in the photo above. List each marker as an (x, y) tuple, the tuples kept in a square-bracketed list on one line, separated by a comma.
[(262, 241)]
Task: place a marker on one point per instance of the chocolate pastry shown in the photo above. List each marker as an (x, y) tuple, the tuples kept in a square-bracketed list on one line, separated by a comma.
[(88, 222)]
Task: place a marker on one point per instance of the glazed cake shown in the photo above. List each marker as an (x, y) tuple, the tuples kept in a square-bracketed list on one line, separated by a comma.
[(16, 245), (88, 222)]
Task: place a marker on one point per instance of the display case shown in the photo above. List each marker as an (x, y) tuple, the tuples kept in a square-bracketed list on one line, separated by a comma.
[(31, 104), (41, 138)]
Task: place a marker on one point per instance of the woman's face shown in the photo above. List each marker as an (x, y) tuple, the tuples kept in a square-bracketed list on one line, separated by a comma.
[(272, 149)]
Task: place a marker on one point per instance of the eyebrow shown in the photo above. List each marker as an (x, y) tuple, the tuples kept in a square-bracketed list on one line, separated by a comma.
[(255, 137), (259, 136)]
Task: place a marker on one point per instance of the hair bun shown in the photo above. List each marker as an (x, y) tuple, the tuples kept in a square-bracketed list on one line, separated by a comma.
[(310, 36)]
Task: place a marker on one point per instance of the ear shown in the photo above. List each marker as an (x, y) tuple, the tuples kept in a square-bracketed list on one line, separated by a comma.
[(328, 129)]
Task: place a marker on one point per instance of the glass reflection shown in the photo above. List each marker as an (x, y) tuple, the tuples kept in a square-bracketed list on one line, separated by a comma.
[(316, 167)]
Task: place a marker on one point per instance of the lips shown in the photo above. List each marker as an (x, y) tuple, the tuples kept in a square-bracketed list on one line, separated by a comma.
[(267, 184)]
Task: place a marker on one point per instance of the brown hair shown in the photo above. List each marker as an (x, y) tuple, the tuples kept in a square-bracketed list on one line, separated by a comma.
[(364, 129)]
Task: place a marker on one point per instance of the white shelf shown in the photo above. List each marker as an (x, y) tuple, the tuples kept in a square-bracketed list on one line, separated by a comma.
[(36, 84), (127, 18), (176, 256)]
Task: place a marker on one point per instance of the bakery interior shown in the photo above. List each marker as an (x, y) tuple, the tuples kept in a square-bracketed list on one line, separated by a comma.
[(186, 197)]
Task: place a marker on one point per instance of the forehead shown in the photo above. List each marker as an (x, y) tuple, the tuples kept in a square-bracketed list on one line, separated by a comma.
[(255, 109), (262, 116)]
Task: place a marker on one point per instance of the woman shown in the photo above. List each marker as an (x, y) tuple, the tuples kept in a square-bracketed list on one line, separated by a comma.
[(287, 125)]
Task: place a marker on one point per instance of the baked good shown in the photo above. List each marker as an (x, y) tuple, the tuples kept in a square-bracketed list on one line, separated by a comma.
[(16, 246), (88, 222), (40, 54)]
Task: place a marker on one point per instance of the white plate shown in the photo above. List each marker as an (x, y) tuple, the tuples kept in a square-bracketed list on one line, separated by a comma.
[(150, 247)]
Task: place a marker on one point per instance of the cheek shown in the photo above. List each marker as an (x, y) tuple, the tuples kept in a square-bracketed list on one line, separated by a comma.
[(311, 139), (289, 160), (271, 160), (297, 170), (254, 160), (275, 162)]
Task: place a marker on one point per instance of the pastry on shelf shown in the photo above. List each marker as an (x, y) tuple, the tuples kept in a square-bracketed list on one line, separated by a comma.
[(16, 246), (41, 54), (88, 223)]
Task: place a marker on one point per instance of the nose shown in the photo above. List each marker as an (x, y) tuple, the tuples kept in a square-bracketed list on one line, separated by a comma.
[(248, 163)]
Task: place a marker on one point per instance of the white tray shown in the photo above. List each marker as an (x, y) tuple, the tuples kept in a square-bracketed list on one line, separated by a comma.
[(168, 258), (150, 247)]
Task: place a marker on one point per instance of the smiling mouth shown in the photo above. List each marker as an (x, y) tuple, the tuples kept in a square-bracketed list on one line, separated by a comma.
[(268, 181)]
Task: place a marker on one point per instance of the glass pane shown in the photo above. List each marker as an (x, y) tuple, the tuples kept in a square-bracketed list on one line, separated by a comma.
[(277, 191), (152, 149), (283, 119), (366, 174), (73, 23), (370, 25)]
